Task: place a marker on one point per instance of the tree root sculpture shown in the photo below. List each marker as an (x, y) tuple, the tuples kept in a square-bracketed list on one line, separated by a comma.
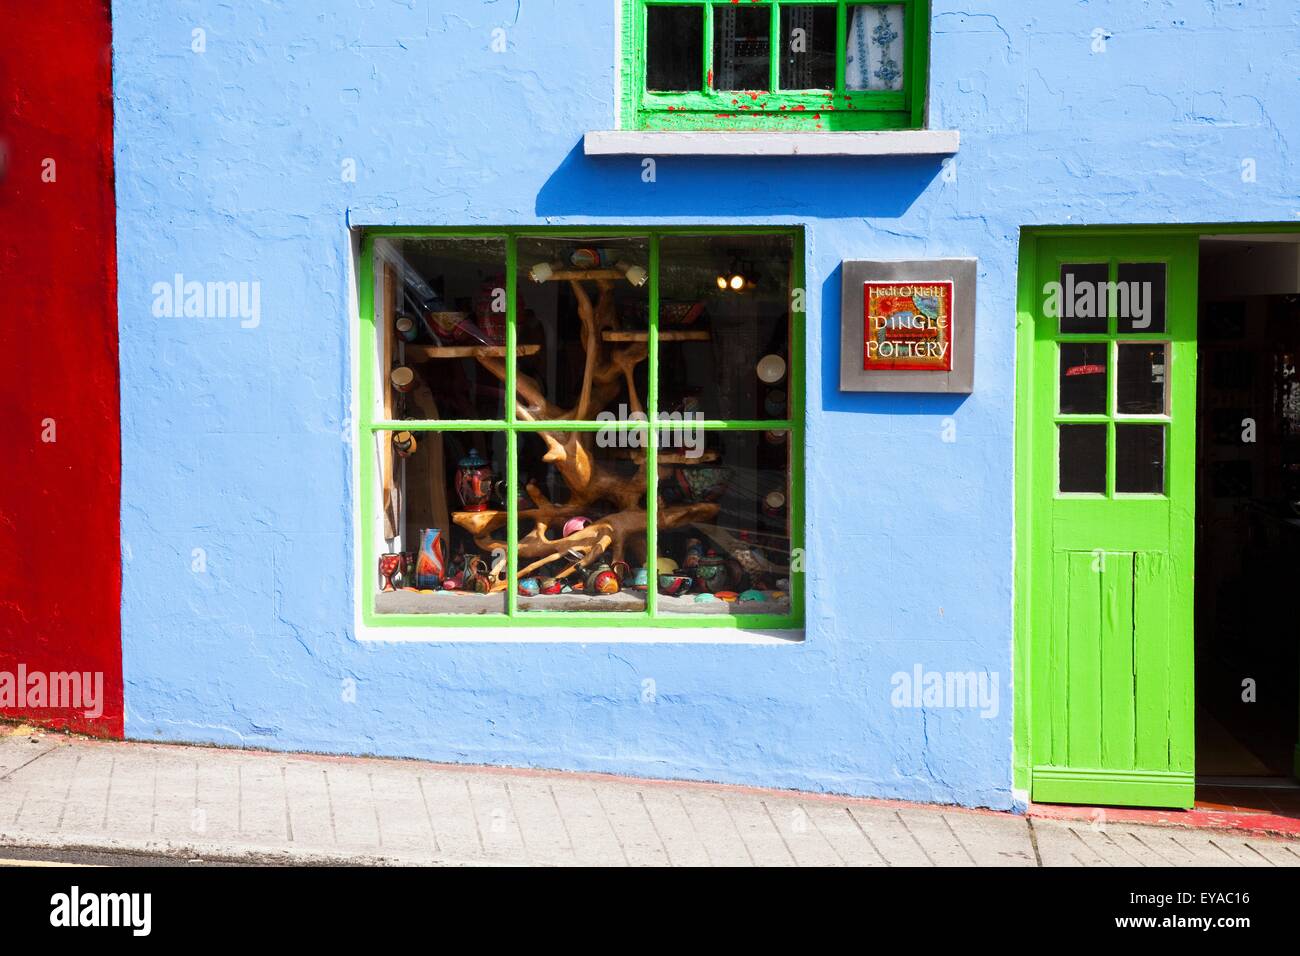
[(593, 486)]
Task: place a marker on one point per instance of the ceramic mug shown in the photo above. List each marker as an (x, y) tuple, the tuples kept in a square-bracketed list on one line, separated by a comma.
[(671, 584), (402, 378), (407, 328)]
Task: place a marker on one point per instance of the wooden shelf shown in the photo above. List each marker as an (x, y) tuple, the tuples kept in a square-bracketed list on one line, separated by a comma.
[(564, 275), (478, 522), (696, 336), (467, 351), (667, 457)]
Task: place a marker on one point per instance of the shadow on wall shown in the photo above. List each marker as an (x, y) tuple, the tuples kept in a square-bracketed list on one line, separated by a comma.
[(833, 400), (833, 186)]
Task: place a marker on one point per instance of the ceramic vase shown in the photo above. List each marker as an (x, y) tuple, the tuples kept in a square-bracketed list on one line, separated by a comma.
[(474, 481), (431, 559)]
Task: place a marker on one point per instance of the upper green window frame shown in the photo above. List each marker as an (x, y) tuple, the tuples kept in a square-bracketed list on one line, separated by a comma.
[(707, 106)]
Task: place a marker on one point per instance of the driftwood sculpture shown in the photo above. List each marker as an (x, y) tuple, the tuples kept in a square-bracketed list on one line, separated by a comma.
[(610, 364)]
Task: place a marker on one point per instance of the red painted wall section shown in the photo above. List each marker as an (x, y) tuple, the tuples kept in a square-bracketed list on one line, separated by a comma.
[(60, 453)]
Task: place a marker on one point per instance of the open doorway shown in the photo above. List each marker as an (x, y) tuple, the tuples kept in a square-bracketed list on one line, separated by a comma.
[(1248, 524)]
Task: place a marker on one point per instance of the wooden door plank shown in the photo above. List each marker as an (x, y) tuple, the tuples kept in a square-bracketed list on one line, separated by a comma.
[(1056, 662), (1084, 660), (1117, 638), (1151, 659)]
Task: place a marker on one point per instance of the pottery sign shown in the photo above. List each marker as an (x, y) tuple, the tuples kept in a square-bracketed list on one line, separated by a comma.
[(908, 325)]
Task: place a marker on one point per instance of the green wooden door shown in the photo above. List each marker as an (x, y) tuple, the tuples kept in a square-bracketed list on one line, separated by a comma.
[(1111, 410)]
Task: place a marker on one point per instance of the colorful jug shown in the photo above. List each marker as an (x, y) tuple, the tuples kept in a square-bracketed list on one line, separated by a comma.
[(602, 579)]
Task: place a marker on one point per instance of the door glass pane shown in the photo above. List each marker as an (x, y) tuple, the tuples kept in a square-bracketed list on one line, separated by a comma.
[(1140, 459), (1083, 378), (674, 49), (1140, 297), (1081, 300), (442, 499), (1140, 379), (741, 45), (1082, 458), (873, 50), (724, 524), (724, 327), (808, 47)]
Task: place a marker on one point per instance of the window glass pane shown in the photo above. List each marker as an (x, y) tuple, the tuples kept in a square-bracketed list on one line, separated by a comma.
[(442, 313), (1083, 378), (438, 492), (1141, 379), (582, 327), (1082, 300), (724, 525), (874, 56), (741, 45), (807, 47), (674, 48), (724, 326), (1140, 297), (1140, 459), (582, 520), (1082, 459)]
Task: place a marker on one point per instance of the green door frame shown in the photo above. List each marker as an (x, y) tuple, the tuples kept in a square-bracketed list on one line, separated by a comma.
[(1027, 297)]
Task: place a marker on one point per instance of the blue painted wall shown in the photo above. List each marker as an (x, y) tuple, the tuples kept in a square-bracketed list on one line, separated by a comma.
[(235, 439)]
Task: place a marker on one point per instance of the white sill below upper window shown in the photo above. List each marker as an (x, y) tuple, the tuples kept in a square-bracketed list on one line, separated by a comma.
[(894, 142)]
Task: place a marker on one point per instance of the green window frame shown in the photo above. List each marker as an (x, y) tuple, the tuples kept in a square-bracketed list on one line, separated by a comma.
[(773, 109), (368, 424)]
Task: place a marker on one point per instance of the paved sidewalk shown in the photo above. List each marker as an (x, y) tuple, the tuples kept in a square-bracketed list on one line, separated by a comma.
[(203, 802)]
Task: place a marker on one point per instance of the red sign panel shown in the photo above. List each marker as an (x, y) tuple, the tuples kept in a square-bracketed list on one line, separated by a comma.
[(907, 326)]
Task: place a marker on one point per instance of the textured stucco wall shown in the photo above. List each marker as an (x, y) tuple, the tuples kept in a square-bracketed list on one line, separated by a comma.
[(234, 439)]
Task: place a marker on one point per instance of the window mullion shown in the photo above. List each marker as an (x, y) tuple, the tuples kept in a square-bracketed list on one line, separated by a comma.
[(706, 72), (775, 49), (841, 41), (512, 439), (652, 434)]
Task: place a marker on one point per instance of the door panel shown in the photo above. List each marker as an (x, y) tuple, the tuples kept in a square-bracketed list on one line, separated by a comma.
[(1112, 472)]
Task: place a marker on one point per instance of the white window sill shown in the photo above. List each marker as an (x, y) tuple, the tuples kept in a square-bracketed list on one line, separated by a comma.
[(575, 635), (900, 142)]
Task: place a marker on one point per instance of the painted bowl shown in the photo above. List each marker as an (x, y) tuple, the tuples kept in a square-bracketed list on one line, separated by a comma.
[(671, 584), (574, 525), (696, 483)]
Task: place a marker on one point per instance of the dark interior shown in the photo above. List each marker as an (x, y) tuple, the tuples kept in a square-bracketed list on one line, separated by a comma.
[(1248, 524)]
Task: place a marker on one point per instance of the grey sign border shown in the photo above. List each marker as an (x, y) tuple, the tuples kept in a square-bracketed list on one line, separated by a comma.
[(854, 378)]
